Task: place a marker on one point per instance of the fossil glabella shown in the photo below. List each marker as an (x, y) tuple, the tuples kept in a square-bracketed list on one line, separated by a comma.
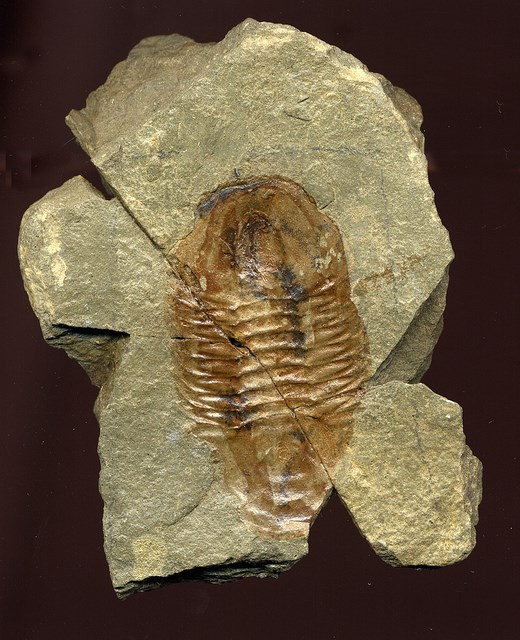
[(257, 299)]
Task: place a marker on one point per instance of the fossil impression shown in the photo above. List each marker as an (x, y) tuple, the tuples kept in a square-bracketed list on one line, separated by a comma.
[(270, 347), (257, 301)]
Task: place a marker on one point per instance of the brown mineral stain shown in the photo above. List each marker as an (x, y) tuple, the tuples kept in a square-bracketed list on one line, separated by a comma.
[(272, 353), (381, 278)]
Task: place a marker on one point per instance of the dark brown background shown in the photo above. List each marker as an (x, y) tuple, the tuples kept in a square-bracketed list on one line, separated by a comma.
[(461, 61)]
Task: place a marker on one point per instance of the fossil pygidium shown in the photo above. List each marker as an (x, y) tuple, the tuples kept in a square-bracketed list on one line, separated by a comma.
[(272, 353)]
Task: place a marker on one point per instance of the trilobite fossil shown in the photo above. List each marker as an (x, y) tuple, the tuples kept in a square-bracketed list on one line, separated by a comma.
[(272, 352)]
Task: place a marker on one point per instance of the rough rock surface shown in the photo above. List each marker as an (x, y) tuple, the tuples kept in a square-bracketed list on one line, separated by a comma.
[(408, 479), (172, 124)]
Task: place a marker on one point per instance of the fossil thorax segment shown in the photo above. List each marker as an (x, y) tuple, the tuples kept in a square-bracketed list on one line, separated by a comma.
[(274, 350)]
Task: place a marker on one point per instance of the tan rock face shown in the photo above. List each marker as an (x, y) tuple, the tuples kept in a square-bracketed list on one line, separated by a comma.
[(408, 479), (253, 302)]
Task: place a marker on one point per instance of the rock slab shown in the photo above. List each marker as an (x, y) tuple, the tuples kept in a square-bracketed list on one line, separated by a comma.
[(175, 123)]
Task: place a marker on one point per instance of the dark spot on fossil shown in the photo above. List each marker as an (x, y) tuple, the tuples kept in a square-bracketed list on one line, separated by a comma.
[(298, 435), (236, 343), (298, 339), (236, 419), (294, 289), (234, 400)]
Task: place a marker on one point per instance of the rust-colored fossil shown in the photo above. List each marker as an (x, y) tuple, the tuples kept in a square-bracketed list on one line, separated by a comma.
[(271, 349)]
